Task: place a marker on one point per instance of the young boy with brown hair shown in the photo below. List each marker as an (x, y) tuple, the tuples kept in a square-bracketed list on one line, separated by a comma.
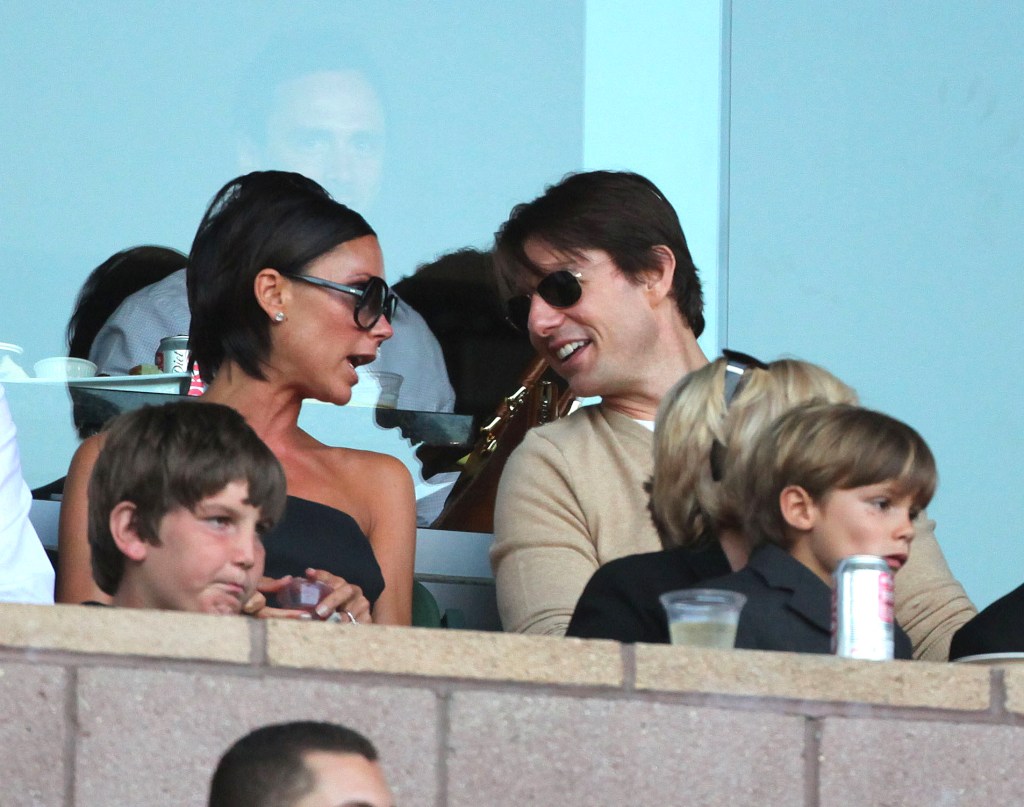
[(178, 501), (824, 481)]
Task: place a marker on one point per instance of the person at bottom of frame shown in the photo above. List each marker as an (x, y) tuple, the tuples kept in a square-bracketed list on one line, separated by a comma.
[(300, 764)]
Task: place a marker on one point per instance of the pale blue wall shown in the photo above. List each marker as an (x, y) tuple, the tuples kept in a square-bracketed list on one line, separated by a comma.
[(866, 210), (118, 115), (876, 223), (653, 105)]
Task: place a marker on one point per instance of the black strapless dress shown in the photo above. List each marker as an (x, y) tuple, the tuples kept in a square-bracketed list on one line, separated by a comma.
[(313, 535)]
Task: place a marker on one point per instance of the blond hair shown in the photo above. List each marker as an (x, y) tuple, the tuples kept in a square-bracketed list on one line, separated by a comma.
[(688, 507), (827, 447)]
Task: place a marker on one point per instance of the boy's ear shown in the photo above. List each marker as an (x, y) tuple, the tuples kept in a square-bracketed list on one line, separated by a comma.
[(125, 532), (658, 278), (271, 290), (797, 507)]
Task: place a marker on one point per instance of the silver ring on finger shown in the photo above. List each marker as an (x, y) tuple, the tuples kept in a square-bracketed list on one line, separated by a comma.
[(351, 618)]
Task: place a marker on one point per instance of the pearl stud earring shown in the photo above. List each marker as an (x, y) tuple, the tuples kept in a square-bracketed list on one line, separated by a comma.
[(279, 316)]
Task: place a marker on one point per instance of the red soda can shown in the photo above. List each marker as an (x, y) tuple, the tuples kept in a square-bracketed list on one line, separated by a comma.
[(862, 609)]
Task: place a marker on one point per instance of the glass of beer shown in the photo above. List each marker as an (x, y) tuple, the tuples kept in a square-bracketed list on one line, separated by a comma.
[(703, 617)]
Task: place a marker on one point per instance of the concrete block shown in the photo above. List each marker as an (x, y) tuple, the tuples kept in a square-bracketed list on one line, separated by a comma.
[(514, 749), (1013, 679), (154, 737), (893, 763), (445, 653), (805, 676), (33, 734), (125, 631)]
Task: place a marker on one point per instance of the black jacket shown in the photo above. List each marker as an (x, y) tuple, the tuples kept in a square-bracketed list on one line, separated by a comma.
[(621, 600), (997, 629), (788, 607)]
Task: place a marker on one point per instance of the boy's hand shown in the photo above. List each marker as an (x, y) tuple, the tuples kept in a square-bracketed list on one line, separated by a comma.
[(257, 604)]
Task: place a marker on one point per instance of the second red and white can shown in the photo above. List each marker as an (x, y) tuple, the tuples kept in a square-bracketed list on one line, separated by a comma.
[(862, 609)]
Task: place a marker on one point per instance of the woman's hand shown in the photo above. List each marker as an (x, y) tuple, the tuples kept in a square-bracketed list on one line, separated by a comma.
[(345, 599)]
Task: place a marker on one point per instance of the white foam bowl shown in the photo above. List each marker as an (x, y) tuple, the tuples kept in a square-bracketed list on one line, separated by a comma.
[(64, 367)]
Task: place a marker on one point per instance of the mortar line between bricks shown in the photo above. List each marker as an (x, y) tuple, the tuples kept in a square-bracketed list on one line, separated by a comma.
[(258, 643), (997, 693), (443, 735), (812, 762), (71, 739), (628, 667)]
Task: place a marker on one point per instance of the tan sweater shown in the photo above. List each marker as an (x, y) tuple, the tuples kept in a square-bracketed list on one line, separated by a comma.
[(571, 499)]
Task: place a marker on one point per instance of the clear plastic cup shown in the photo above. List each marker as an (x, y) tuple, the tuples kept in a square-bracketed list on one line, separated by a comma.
[(376, 388), (703, 617), (302, 595), (9, 368)]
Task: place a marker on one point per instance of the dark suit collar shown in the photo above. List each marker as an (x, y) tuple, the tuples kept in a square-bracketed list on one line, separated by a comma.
[(809, 596), (702, 564)]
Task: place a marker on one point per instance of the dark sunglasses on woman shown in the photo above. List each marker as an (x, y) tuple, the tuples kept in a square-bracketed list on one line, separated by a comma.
[(560, 289), (373, 301)]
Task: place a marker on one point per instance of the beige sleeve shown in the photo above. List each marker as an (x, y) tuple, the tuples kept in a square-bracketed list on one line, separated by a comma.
[(930, 604), (543, 554)]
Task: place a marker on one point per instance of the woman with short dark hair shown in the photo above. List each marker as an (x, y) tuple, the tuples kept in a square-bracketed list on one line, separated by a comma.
[(287, 293)]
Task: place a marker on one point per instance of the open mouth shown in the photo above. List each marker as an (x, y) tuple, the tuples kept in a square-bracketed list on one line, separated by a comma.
[(896, 562), (358, 360), (570, 349)]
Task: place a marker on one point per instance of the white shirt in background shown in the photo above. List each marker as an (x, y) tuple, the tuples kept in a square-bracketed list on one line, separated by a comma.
[(25, 572)]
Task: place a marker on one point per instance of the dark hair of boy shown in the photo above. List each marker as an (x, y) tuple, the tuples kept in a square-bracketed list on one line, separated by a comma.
[(164, 457)]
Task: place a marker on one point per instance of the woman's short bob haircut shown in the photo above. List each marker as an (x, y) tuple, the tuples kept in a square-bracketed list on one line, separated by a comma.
[(266, 219), (619, 212), (827, 447), (688, 507)]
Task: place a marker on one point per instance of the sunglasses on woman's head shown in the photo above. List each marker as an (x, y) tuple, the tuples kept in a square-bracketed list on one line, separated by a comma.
[(560, 289), (373, 301), (737, 365)]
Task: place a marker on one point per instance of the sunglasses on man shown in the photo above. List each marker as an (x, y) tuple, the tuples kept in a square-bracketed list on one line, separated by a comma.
[(373, 301), (559, 289)]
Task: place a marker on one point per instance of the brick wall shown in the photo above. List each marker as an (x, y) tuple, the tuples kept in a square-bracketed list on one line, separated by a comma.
[(104, 707)]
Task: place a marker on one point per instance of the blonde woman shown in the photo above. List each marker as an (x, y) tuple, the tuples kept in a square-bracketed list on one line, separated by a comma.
[(705, 430)]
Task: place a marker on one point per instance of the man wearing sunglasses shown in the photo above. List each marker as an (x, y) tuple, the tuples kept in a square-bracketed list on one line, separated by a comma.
[(600, 275)]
